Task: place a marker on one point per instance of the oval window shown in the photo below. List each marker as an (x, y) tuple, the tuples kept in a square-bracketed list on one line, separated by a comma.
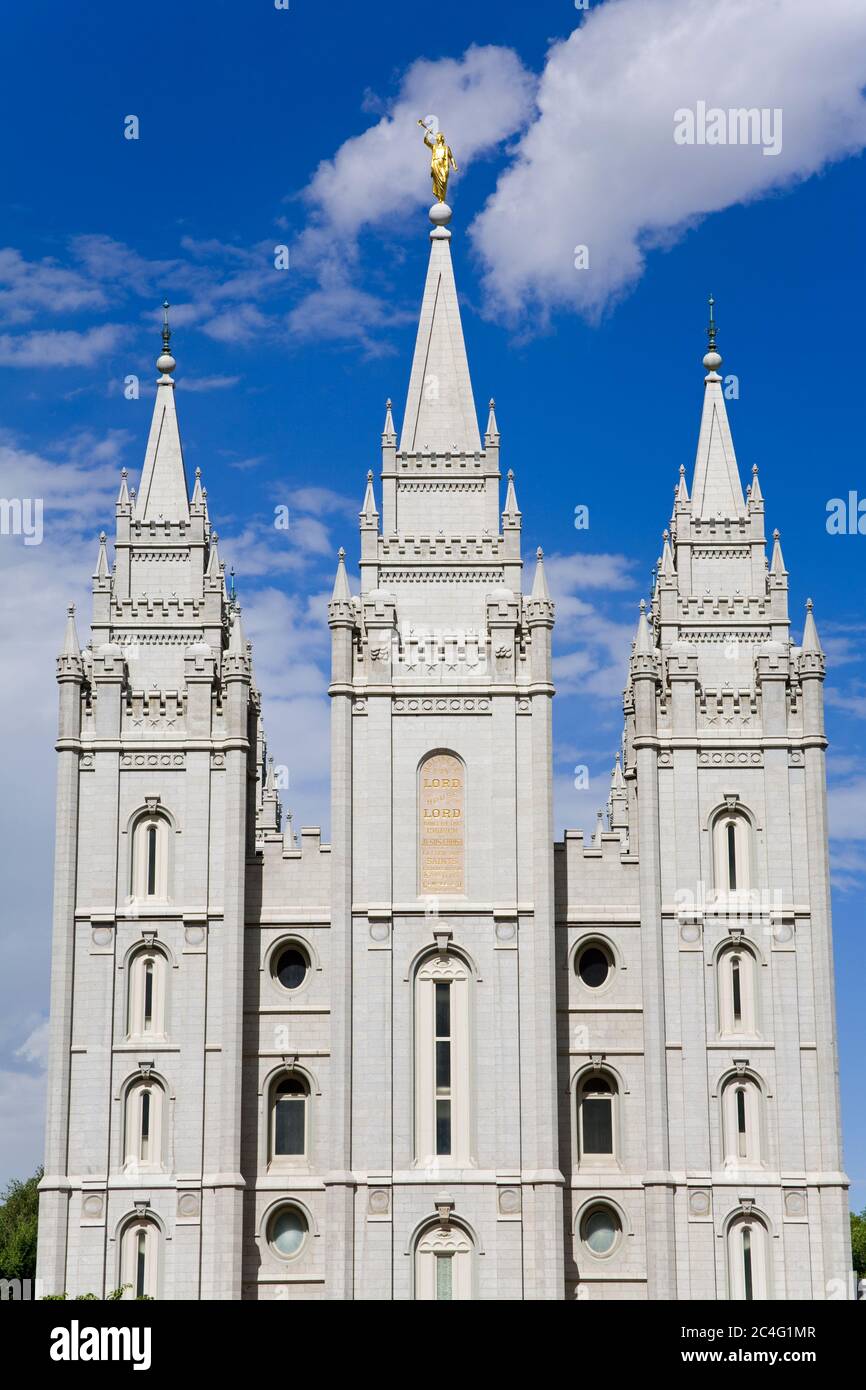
[(291, 968), (599, 1230), (288, 1231), (593, 967)]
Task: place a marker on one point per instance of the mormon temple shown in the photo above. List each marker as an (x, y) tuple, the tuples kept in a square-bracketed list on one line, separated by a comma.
[(446, 1056)]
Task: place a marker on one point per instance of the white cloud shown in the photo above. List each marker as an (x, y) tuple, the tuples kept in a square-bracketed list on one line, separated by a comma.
[(34, 1048), (599, 167), (59, 348), (381, 175)]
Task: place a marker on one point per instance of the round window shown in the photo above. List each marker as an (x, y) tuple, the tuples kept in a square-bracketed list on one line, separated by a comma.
[(291, 968), (599, 1230), (288, 1231), (593, 967)]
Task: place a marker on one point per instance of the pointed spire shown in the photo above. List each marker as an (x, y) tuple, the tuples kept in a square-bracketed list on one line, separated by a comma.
[(102, 571), (539, 583), (71, 645), (237, 642), (667, 567), (368, 509), (389, 434), (341, 580), (197, 491), (617, 781), (163, 494), (811, 640), (716, 489), (492, 434), (682, 491), (777, 564), (599, 827), (511, 508), (213, 561), (123, 494), (643, 642), (270, 785), (755, 493), (440, 408)]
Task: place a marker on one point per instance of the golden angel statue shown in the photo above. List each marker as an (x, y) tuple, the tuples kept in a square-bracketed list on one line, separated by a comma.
[(440, 161)]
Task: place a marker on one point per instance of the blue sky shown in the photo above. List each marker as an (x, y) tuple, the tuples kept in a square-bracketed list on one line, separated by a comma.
[(261, 127)]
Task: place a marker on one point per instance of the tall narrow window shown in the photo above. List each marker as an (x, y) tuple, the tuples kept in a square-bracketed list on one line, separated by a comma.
[(442, 1062), (747, 1264), (143, 1126), (443, 1264), (737, 982), (732, 856), (736, 991), (741, 1121), (141, 1265), (145, 1013), (149, 877), (595, 1118), (289, 1119), (443, 1067), (144, 1138), (748, 1271), (742, 1144), (732, 851), (139, 1259), (444, 1278)]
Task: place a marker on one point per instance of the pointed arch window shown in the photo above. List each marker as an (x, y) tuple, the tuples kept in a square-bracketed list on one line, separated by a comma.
[(442, 1053), (737, 986)]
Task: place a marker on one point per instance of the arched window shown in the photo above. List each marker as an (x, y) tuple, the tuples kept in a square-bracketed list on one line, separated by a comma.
[(442, 1077), (593, 965), (139, 1258), (596, 1121), (737, 981), (443, 1265), (150, 857), (748, 1265), (741, 1122), (732, 851), (144, 1126), (289, 1119), (145, 1015)]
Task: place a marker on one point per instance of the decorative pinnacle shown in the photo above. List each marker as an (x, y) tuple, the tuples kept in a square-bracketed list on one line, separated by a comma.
[(712, 359), (165, 363)]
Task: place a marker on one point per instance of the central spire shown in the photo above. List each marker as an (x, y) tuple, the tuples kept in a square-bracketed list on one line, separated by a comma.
[(440, 409), (163, 493), (716, 491)]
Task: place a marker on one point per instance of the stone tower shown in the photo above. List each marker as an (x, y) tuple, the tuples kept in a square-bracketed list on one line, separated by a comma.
[(443, 852)]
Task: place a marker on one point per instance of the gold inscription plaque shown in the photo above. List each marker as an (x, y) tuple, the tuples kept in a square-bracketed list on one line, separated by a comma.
[(441, 811)]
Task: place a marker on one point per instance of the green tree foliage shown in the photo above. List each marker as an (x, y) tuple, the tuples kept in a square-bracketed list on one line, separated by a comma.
[(19, 1213), (858, 1241)]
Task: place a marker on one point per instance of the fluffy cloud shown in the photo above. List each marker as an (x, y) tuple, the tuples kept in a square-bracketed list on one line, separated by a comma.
[(599, 167), (56, 348)]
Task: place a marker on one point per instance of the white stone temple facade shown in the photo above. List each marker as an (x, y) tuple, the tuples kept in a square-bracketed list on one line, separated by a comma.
[(445, 1056)]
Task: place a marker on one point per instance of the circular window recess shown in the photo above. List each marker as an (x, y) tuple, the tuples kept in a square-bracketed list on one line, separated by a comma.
[(600, 1230), (287, 1232), (290, 967), (594, 966)]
